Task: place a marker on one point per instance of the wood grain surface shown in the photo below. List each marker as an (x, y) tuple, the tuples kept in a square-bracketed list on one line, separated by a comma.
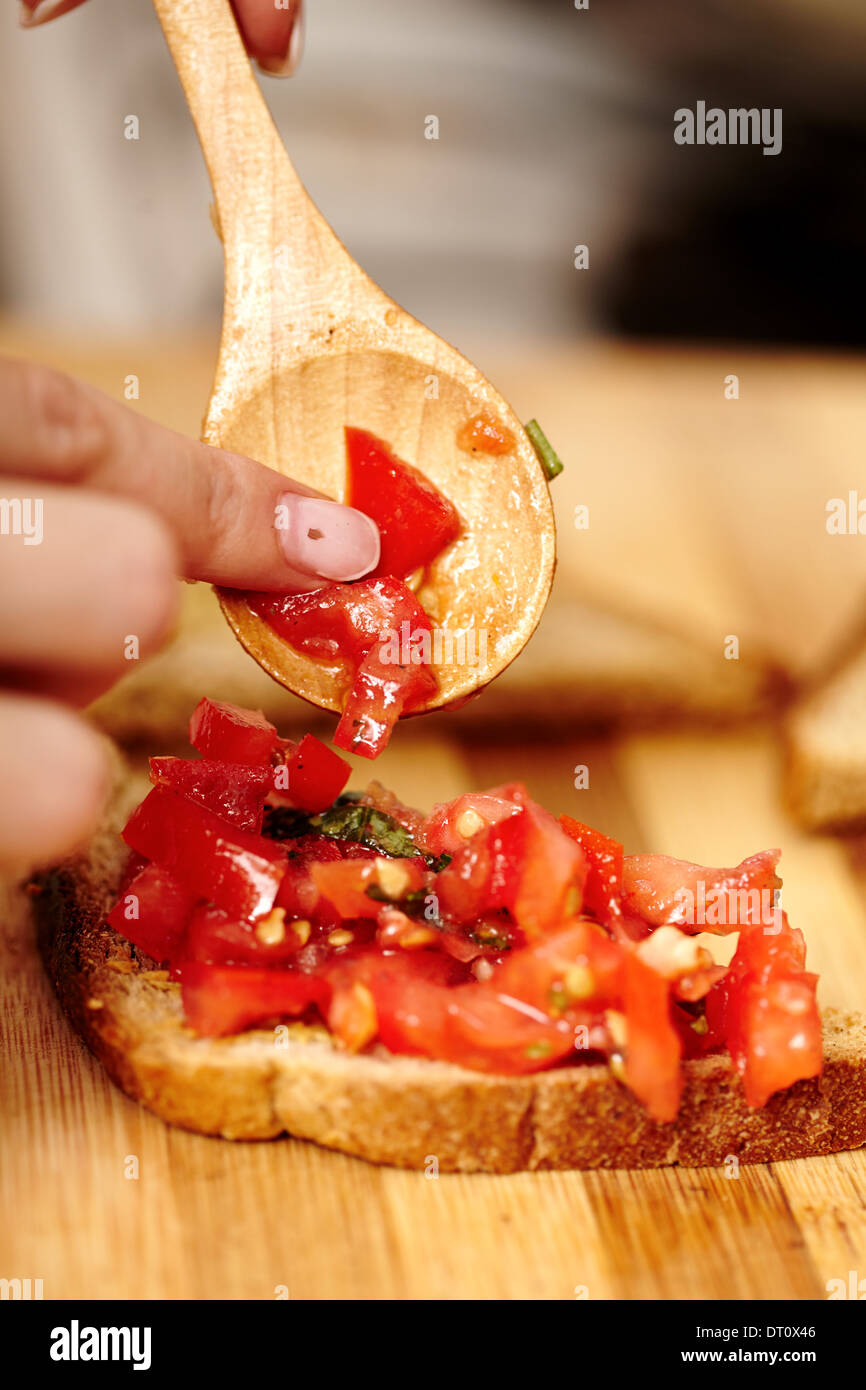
[(208, 1219)]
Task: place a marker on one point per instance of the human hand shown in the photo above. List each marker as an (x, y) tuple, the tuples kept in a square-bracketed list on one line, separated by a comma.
[(100, 511), (273, 37)]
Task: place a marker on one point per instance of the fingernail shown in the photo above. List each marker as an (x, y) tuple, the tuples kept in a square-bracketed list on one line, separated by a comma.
[(286, 65), (327, 539), (27, 13), (33, 12)]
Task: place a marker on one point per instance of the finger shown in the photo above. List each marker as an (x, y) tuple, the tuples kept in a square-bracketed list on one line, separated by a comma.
[(236, 522), (99, 582), (35, 12), (54, 771), (78, 689), (274, 37)]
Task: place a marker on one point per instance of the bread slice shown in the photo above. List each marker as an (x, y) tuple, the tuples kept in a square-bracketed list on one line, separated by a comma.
[(402, 1110), (826, 738), (589, 662)]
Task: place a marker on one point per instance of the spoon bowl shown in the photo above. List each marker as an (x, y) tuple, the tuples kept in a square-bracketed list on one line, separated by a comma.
[(310, 344)]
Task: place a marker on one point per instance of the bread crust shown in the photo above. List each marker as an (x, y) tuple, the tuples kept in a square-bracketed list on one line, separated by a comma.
[(826, 759), (405, 1111)]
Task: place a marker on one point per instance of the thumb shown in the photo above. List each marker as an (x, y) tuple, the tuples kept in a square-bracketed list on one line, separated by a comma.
[(236, 522)]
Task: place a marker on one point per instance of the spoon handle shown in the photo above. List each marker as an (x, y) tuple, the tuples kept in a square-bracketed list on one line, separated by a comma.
[(283, 263), (240, 142)]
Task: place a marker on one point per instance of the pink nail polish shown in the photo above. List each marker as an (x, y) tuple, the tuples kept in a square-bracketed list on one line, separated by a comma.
[(323, 538), (286, 66), (34, 12), (27, 13)]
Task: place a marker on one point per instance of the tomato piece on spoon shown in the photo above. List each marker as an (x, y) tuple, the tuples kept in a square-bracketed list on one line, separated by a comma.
[(376, 626), (379, 628), (415, 521)]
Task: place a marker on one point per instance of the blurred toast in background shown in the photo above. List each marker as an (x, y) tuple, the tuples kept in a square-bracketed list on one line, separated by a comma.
[(585, 665), (825, 737), (696, 575)]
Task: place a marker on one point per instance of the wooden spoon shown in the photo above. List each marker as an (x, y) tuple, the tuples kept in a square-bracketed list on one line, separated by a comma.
[(310, 344)]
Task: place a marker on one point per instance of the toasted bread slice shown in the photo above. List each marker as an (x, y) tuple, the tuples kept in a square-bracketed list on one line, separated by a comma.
[(589, 663), (401, 1110), (826, 736)]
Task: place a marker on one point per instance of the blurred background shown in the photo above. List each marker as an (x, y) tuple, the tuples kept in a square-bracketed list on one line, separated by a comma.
[(555, 129), (706, 263)]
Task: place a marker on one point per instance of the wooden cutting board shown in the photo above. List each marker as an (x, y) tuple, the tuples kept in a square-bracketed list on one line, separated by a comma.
[(705, 512), (208, 1219)]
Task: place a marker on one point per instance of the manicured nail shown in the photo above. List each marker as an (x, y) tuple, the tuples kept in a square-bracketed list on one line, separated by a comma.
[(33, 12), (285, 65), (323, 538), (27, 13)]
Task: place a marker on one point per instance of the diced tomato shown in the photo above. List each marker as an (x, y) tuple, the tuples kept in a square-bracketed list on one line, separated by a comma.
[(520, 1020), (131, 869), (510, 791), (653, 1049), (380, 630), (153, 913), (316, 775), (451, 824), (231, 734), (524, 863), (495, 1032), (466, 1024), (238, 871), (223, 999), (462, 886), (356, 888), (578, 965), (386, 977), (550, 887), (200, 888), (473, 883), (664, 891), (298, 894), (234, 792), (602, 894), (415, 521), (766, 1010), (412, 1013), (215, 937), (484, 433)]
